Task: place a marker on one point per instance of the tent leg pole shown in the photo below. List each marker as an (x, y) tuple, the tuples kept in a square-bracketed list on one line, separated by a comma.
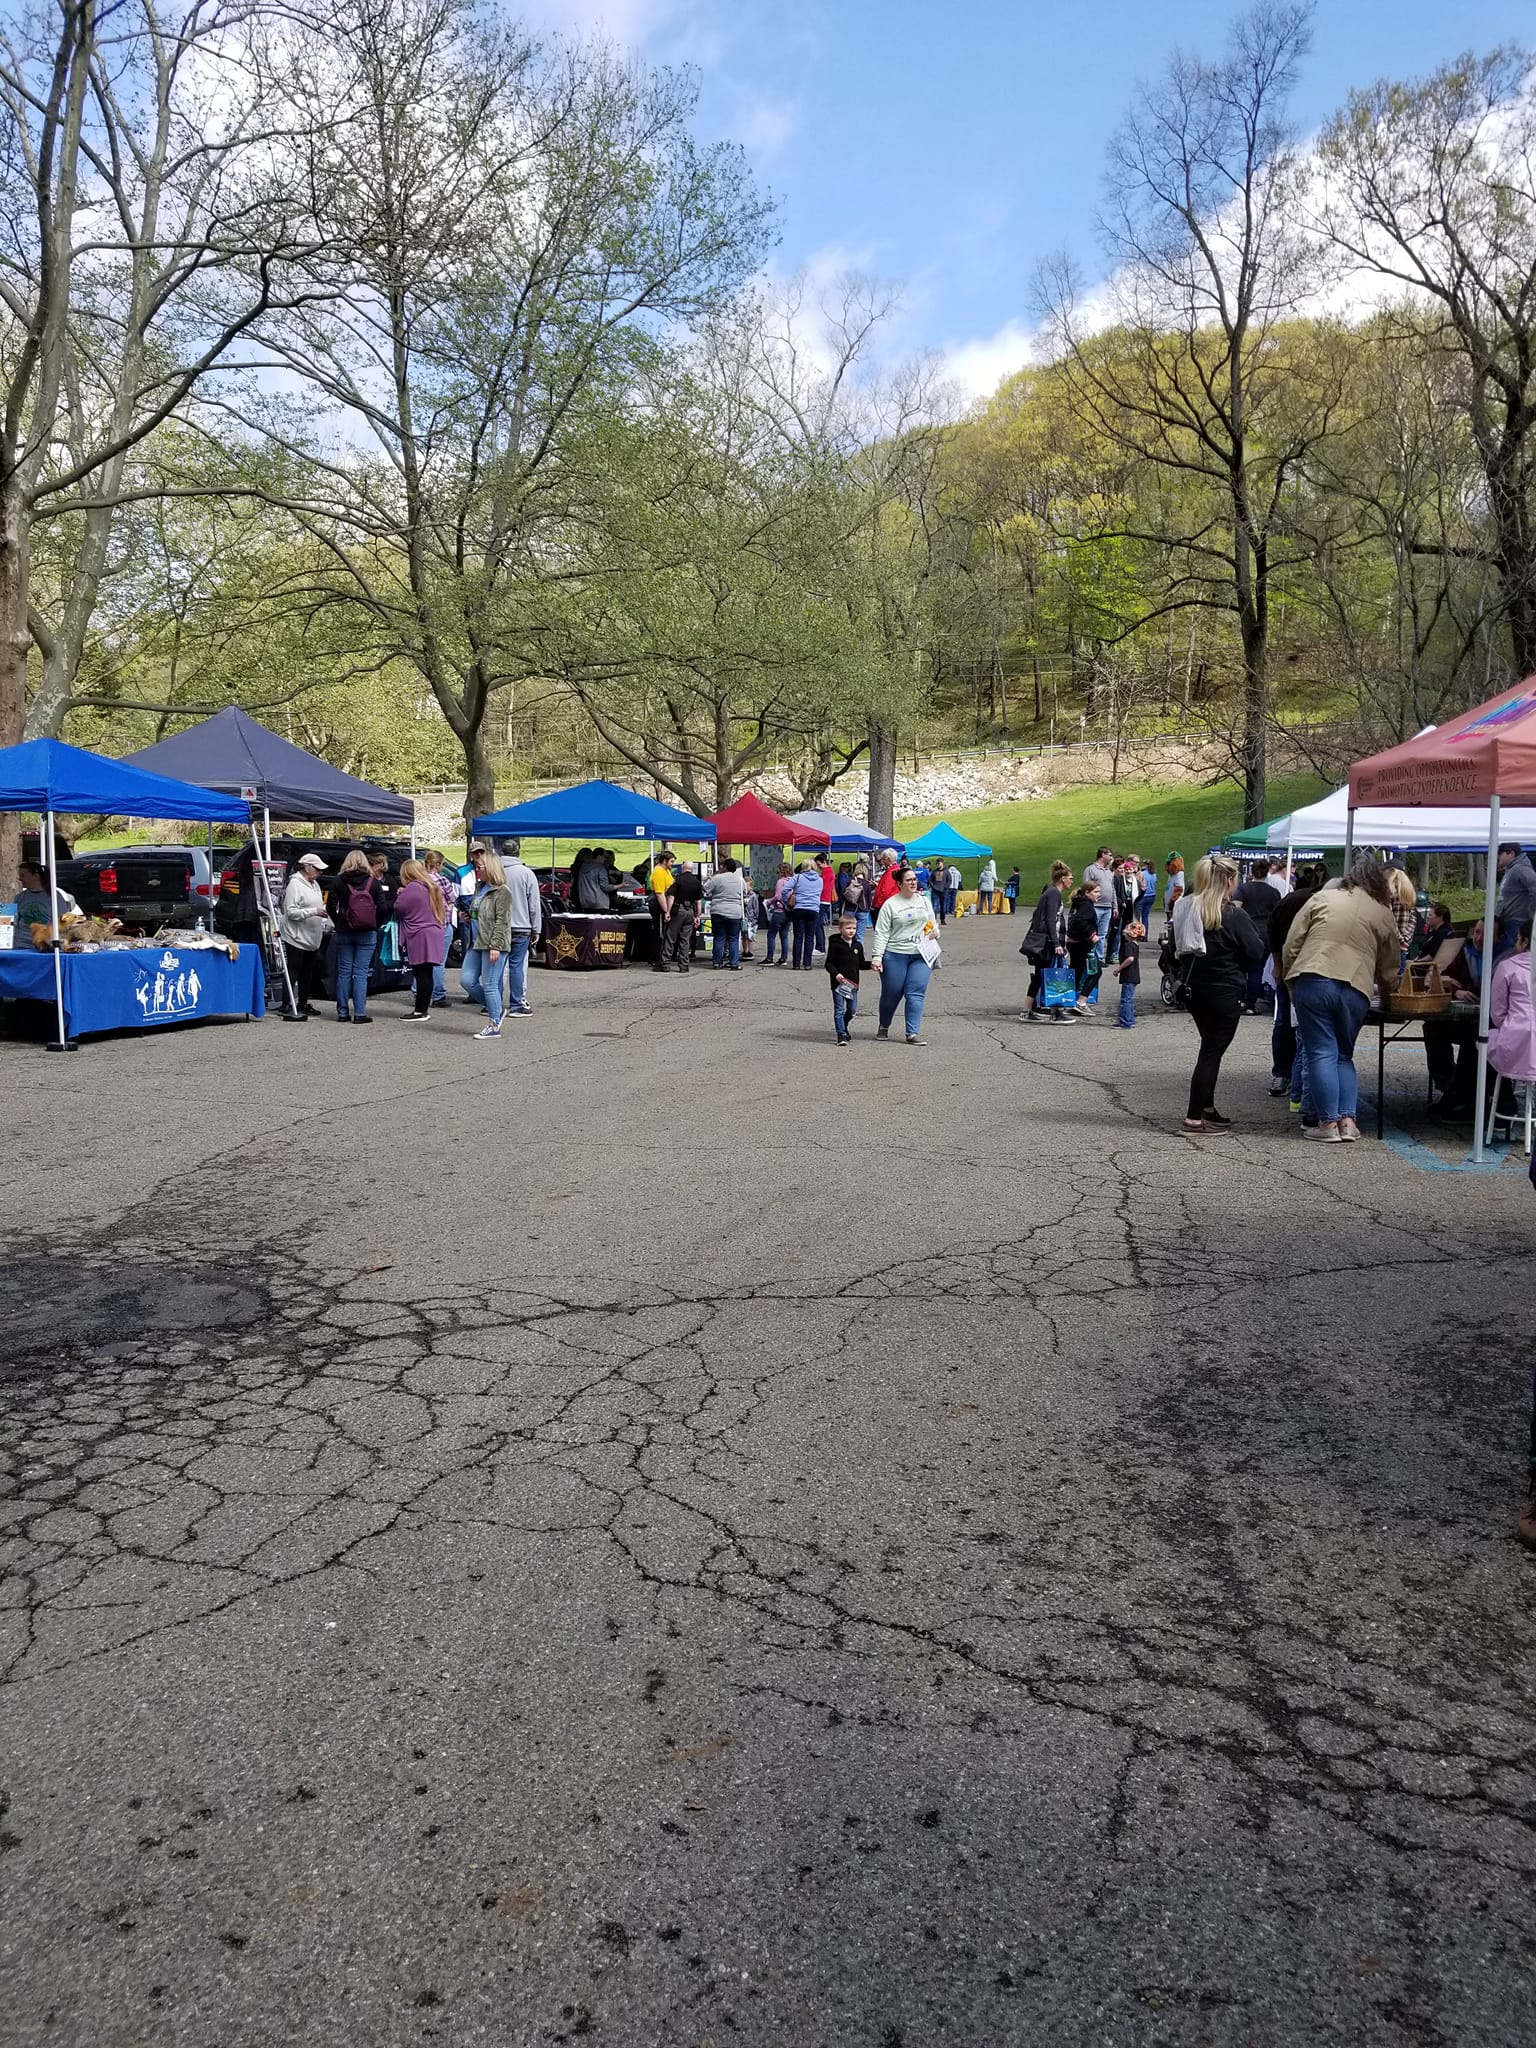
[(63, 1043), (1485, 980), (266, 833), (290, 1000), (1349, 839)]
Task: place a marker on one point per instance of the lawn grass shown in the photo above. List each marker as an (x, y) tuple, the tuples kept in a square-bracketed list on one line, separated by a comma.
[(1150, 819)]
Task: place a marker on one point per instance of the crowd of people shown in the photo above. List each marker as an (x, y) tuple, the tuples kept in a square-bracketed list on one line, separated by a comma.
[(1319, 951)]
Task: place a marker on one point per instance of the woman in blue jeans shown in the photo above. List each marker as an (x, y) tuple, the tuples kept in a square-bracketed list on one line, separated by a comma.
[(1343, 944), (904, 974), (358, 908)]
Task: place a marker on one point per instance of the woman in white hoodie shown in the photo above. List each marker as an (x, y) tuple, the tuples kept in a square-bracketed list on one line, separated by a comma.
[(304, 922)]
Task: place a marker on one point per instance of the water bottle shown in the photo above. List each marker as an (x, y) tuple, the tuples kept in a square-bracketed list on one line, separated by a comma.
[(202, 928)]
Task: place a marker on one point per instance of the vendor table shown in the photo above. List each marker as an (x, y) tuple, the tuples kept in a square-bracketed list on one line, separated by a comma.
[(134, 988), (587, 939), (1392, 1030)]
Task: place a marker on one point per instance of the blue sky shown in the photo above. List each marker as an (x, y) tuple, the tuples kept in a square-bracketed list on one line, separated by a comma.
[(950, 147)]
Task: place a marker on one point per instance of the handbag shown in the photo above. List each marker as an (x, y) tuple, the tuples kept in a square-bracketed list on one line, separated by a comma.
[(1037, 947), (1058, 989)]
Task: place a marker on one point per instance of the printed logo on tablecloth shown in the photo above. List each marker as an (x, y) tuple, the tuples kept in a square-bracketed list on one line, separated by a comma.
[(171, 991)]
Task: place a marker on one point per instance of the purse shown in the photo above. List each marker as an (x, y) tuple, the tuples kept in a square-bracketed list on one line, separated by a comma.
[(1037, 947)]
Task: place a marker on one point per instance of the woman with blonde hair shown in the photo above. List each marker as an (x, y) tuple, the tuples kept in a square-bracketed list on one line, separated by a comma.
[(420, 912), (490, 934), (1219, 943), (359, 909)]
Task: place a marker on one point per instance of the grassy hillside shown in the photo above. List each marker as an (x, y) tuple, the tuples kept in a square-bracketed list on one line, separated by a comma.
[(1150, 819)]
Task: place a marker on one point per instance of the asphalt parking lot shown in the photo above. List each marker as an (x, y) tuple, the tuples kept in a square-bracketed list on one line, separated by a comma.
[(661, 1530)]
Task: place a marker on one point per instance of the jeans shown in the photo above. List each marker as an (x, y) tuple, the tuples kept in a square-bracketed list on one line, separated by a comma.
[(440, 971), (903, 976), (727, 941), (984, 897), (866, 926), (1282, 1036), (1329, 1015), (480, 979), (353, 957), (806, 923), (1103, 917), (778, 930), (1217, 1024), (845, 1004), (1127, 1014), (821, 927), (516, 964)]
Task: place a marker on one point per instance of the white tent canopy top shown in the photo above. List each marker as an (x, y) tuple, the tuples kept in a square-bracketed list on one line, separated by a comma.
[(1411, 828)]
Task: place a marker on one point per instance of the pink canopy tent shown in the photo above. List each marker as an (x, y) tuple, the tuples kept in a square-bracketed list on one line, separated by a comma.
[(1486, 756), (751, 822)]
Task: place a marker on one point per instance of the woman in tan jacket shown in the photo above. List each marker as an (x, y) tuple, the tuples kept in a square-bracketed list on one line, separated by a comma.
[(1343, 944)]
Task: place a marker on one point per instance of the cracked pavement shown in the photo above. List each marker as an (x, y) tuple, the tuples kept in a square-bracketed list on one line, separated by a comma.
[(662, 1531)]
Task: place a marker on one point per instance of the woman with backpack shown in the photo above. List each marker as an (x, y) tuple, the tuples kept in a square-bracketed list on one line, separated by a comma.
[(419, 918), (358, 906), (1217, 944)]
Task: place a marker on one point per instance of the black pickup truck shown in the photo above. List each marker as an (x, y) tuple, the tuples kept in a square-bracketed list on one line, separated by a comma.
[(146, 887)]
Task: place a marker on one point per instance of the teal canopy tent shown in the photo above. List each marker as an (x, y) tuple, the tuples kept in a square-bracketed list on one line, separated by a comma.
[(943, 842)]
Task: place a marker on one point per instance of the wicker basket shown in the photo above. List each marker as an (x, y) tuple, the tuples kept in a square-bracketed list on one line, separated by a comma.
[(1420, 993)]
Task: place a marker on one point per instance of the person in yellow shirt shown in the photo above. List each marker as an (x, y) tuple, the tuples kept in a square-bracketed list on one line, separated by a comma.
[(659, 882)]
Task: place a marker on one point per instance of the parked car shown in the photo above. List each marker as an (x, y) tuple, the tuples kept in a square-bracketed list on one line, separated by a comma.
[(145, 887)]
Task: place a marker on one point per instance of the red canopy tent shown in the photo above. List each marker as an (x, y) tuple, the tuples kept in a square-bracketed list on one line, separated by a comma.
[(751, 822), (1486, 756)]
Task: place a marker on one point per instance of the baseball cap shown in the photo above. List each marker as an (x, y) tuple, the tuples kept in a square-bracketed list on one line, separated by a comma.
[(313, 860), (478, 846)]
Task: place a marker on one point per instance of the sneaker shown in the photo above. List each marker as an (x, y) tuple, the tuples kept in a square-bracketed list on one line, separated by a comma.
[(843, 1040), (1322, 1134), (417, 1016), (913, 1039), (883, 1031), (1279, 1085), (1294, 1107), (1214, 1116), (1196, 1123), (519, 1010), (362, 1020), (1349, 1130), (490, 1031)]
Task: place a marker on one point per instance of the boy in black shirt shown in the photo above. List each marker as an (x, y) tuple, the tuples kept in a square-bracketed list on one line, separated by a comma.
[(845, 961), (1129, 970)]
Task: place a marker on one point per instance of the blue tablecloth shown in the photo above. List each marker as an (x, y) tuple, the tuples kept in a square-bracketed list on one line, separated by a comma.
[(135, 988)]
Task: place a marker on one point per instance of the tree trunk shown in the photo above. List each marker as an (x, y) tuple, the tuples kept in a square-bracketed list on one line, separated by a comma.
[(1517, 567), (1039, 705), (481, 794), (881, 808), (15, 641)]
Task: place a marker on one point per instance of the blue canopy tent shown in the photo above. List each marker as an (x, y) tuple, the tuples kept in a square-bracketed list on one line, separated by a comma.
[(47, 776), (846, 835), (943, 842), (593, 810)]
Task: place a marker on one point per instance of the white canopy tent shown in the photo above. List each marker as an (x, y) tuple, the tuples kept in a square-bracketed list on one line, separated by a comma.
[(1411, 828)]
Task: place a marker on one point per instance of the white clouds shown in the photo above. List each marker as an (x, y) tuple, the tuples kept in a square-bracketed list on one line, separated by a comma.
[(628, 23), (764, 126), (976, 368)]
